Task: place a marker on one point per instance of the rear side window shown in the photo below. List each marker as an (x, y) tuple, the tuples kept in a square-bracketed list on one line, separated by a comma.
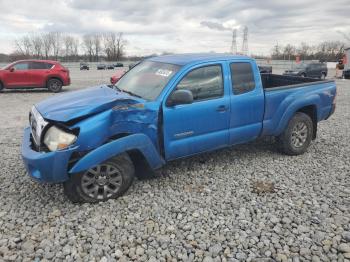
[(48, 65), (204, 83), (242, 78), (40, 65)]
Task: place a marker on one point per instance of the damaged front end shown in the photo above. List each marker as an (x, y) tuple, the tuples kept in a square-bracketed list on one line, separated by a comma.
[(121, 125)]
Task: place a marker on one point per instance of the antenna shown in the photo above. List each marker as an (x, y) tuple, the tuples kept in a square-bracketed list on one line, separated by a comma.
[(245, 41), (234, 42)]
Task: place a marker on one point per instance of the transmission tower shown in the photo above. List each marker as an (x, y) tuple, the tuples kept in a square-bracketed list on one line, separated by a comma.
[(245, 41), (234, 42)]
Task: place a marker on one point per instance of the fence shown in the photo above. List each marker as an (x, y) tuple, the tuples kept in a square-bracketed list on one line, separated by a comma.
[(277, 65)]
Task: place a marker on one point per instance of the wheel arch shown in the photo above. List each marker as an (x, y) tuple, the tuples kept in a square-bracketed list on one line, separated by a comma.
[(308, 106), (138, 146), (142, 167), (53, 77)]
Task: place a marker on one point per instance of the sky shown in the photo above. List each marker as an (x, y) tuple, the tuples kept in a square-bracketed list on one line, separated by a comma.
[(180, 26)]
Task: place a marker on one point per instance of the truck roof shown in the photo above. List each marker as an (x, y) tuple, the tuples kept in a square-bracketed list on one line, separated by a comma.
[(183, 59)]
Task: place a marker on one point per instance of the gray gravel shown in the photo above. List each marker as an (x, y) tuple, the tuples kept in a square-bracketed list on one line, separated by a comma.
[(201, 209)]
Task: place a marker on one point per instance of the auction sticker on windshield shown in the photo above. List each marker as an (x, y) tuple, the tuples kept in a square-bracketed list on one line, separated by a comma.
[(163, 72)]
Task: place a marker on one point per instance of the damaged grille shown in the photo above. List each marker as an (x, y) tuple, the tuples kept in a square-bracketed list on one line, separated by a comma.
[(37, 125)]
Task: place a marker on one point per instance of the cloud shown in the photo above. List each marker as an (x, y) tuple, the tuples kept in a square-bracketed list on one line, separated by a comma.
[(180, 26), (214, 25)]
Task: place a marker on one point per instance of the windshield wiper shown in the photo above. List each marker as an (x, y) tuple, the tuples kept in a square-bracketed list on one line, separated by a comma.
[(130, 93), (115, 86)]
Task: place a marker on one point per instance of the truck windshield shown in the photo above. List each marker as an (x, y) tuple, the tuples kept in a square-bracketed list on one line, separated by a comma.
[(147, 79)]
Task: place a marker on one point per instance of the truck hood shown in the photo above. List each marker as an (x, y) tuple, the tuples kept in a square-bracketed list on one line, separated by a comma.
[(77, 104)]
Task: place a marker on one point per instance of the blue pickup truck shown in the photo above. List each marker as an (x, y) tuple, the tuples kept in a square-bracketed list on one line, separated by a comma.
[(96, 140)]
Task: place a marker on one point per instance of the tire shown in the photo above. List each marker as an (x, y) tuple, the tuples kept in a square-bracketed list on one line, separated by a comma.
[(116, 174), (54, 85), (1, 86), (323, 76), (297, 136)]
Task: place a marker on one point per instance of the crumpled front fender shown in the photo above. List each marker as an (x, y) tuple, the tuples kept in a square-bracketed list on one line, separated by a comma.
[(139, 142)]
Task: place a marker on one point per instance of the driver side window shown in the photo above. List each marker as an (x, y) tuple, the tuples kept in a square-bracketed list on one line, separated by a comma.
[(21, 66), (204, 83)]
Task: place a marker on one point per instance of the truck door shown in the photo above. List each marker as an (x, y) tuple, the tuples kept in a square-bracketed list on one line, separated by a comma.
[(17, 76), (203, 124), (38, 72), (247, 102)]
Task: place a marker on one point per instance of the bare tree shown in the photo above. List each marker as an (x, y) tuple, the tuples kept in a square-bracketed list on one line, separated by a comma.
[(47, 42), (109, 45), (330, 50), (23, 46), (289, 51), (88, 45), (120, 46), (56, 43), (75, 47), (70, 47), (67, 41), (304, 50), (96, 40), (36, 45)]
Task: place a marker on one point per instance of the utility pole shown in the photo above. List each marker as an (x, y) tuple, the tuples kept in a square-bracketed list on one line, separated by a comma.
[(234, 42), (245, 41)]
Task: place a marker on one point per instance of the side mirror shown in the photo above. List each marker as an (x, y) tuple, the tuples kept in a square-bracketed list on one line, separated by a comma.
[(12, 69), (180, 97)]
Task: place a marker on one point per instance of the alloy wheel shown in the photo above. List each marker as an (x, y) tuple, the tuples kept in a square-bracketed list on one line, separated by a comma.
[(299, 134), (101, 182)]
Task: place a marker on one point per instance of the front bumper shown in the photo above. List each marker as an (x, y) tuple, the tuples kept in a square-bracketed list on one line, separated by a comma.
[(67, 81), (46, 167)]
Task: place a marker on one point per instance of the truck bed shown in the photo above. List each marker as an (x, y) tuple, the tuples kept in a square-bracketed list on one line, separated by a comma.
[(284, 95), (272, 81)]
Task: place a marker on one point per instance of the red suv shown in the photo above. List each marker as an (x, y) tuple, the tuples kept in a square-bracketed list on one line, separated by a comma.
[(33, 74)]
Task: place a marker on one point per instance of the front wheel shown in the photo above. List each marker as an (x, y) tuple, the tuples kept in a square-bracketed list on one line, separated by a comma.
[(108, 180), (54, 85), (297, 136), (1, 86)]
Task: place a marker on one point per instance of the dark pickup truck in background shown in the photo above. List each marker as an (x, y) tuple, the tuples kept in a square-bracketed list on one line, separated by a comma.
[(314, 70), (265, 69)]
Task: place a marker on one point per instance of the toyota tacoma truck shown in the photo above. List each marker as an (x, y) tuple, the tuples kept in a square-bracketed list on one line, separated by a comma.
[(96, 140)]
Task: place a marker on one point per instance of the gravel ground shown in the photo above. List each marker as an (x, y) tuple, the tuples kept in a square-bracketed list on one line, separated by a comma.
[(202, 209)]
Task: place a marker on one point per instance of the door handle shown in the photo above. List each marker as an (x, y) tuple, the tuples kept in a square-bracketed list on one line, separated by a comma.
[(221, 108)]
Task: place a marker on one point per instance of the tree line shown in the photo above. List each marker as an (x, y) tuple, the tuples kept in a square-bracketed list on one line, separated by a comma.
[(325, 51), (92, 47)]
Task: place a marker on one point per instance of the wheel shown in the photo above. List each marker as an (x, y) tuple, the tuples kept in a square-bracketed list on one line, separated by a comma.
[(323, 76), (108, 180), (297, 136), (54, 85), (1, 86)]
